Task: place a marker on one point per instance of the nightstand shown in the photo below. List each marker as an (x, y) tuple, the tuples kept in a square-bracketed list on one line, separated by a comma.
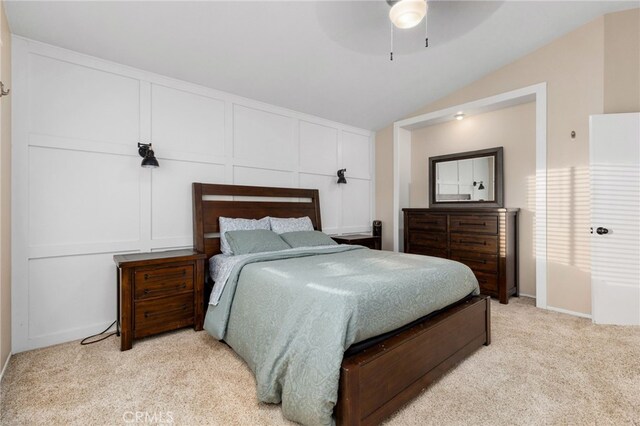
[(366, 240), (158, 292)]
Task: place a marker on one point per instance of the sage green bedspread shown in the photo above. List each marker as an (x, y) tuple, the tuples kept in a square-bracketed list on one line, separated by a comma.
[(292, 315)]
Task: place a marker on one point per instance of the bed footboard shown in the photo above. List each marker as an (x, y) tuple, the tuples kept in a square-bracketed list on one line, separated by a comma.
[(379, 380)]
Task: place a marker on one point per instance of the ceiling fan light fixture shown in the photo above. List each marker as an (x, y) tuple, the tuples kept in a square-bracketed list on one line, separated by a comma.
[(408, 13)]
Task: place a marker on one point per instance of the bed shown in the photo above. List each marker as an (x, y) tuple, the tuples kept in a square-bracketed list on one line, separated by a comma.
[(376, 370)]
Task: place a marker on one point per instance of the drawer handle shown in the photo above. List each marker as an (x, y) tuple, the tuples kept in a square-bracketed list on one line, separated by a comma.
[(480, 243), (472, 224), (179, 286), (155, 314), (427, 222), (484, 261)]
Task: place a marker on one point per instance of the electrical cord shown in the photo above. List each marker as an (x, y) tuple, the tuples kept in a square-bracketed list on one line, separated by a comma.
[(84, 342)]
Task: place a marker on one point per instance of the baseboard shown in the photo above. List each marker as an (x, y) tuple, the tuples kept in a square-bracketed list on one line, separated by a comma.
[(565, 311), (4, 368), (526, 295)]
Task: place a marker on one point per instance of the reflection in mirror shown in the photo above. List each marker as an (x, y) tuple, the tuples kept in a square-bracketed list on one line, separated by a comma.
[(471, 179)]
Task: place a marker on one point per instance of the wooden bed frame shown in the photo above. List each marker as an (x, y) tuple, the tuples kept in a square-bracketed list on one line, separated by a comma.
[(379, 380)]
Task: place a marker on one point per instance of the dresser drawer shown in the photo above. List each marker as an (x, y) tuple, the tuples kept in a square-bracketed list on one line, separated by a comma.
[(478, 262), (487, 224), (429, 239), (488, 282), (428, 251), (427, 222), (167, 313), (163, 281), (475, 242)]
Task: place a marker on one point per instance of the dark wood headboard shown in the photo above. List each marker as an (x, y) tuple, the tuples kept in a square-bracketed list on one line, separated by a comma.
[(241, 202)]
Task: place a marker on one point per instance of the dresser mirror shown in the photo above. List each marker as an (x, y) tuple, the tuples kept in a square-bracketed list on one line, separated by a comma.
[(472, 179)]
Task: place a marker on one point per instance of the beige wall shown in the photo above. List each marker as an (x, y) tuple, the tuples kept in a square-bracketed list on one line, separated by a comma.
[(511, 128), (5, 192), (622, 62), (573, 67)]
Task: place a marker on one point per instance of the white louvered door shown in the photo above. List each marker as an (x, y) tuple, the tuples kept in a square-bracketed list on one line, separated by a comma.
[(615, 218)]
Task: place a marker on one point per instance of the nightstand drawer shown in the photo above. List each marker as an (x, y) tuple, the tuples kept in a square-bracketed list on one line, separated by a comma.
[(163, 281), (154, 316)]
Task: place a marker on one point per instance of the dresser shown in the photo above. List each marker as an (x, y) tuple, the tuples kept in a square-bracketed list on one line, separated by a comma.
[(484, 239), (158, 292)]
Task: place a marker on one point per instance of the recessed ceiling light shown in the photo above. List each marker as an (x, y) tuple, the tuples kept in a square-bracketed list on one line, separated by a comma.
[(459, 116)]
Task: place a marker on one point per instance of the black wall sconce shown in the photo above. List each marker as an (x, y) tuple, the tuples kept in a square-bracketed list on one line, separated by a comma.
[(341, 178), (480, 187), (148, 157)]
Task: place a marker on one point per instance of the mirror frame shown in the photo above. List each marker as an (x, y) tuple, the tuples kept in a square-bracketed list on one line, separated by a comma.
[(497, 153)]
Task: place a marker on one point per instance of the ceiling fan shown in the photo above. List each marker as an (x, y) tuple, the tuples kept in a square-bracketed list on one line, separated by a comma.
[(405, 14)]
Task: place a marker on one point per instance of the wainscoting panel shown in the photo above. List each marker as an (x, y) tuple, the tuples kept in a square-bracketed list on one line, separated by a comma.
[(356, 155), (264, 137), (71, 293), (171, 199), (80, 102), (319, 149), (330, 199), (187, 122), (356, 199), (71, 192), (80, 195)]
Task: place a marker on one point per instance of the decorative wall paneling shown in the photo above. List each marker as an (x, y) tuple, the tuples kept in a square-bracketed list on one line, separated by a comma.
[(80, 195)]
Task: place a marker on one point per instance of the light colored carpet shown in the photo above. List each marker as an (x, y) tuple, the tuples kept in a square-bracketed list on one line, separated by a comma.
[(542, 368)]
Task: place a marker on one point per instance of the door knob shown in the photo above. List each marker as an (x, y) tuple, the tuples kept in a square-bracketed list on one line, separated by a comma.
[(601, 231)]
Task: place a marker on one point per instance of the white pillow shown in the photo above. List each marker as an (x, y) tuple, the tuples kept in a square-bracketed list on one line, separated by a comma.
[(230, 224), (281, 225)]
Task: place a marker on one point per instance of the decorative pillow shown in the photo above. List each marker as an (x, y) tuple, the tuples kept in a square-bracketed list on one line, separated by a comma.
[(280, 225), (307, 239), (229, 224), (255, 241)]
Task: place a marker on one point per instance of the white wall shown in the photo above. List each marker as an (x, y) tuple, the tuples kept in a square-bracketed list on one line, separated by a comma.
[(80, 195)]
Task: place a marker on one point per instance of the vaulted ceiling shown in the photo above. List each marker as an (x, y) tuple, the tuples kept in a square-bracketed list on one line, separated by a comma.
[(326, 58)]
